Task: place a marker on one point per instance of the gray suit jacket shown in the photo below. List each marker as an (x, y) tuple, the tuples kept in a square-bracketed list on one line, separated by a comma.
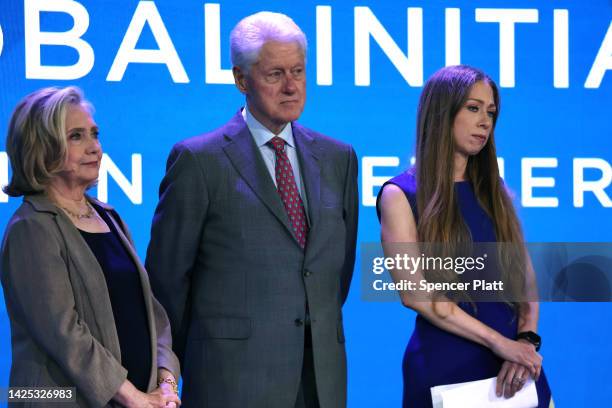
[(225, 264), (62, 326)]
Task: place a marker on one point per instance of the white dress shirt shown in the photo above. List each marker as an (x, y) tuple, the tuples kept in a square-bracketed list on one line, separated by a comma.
[(262, 136)]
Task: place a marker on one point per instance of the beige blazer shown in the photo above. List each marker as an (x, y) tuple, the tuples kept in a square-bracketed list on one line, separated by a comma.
[(62, 326)]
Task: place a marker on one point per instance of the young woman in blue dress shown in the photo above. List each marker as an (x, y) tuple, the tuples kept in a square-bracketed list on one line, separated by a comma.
[(453, 195)]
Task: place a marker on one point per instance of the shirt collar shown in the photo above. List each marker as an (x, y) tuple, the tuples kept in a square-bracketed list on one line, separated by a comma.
[(262, 134)]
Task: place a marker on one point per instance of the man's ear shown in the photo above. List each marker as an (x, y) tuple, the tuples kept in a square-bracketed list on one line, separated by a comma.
[(240, 79)]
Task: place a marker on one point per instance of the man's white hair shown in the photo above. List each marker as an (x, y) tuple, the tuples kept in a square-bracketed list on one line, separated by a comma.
[(252, 32)]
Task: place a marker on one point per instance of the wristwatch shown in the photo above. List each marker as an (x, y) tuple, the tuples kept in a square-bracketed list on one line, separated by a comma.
[(531, 337)]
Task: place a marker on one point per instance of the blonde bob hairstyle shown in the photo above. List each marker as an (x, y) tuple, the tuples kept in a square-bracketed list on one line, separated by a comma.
[(36, 138)]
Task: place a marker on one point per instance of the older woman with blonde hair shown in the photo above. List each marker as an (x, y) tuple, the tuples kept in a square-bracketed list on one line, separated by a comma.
[(79, 302)]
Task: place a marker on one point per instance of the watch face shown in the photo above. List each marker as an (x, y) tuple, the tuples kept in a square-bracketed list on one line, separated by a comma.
[(531, 337)]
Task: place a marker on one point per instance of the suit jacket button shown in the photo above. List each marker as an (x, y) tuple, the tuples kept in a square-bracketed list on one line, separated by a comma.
[(299, 322), (307, 273)]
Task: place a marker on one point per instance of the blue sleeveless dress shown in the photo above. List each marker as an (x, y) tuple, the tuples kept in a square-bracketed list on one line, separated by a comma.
[(436, 357)]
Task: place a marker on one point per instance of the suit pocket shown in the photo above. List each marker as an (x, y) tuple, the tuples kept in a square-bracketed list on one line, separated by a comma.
[(224, 328)]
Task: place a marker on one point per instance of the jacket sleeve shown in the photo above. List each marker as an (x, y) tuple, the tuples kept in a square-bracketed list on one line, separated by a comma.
[(351, 213), (39, 296), (165, 356), (175, 239)]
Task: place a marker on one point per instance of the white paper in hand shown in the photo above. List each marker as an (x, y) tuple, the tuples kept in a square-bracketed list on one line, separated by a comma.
[(482, 394)]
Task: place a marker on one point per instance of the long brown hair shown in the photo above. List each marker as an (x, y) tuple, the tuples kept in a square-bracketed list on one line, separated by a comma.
[(440, 220)]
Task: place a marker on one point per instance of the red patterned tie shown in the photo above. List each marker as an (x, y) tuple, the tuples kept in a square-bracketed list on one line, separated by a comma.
[(289, 193)]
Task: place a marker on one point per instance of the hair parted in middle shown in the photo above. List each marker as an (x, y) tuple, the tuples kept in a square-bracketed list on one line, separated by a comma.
[(440, 221), (252, 32)]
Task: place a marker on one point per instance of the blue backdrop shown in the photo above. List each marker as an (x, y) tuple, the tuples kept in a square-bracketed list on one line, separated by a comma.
[(367, 62)]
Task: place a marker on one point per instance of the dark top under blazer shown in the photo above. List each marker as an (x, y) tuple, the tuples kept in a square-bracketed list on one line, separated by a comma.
[(224, 262), (62, 327), (127, 300)]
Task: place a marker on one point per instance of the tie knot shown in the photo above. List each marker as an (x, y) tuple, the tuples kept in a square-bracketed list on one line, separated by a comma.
[(278, 144)]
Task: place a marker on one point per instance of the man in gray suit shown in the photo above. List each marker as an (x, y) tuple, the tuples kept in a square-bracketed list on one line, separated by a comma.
[(253, 241)]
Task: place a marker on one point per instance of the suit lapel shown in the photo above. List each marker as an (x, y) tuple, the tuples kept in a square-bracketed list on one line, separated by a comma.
[(310, 171), (246, 158)]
